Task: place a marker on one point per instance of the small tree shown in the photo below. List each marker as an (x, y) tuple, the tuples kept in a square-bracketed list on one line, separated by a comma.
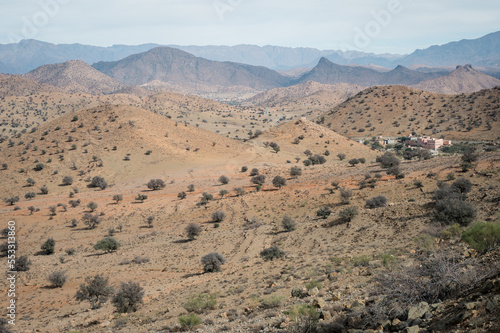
[(224, 180), (222, 193), (30, 195), (91, 220), (49, 246), (288, 223), (98, 181), (156, 184), (244, 169), (92, 206), (388, 160), (30, 181), (107, 244), (375, 202), (67, 180), (44, 189), (22, 264), (279, 182), (462, 185), (117, 198), (57, 279), (218, 216), (191, 188), (182, 195), (258, 180), (240, 191), (212, 262), (96, 290), (12, 200), (341, 156), (192, 231), (451, 211), (128, 297)]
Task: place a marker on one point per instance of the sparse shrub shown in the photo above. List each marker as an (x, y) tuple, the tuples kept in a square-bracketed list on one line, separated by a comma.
[(361, 261), (224, 180), (98, 181), (305, 318), (74, 223), (189, 321), (362, 160), (117, 198), (96, 290), (156, 184), (49, 246), (317, 159), (341, 156), (462, 185), (191, 188), (218, 216), (182, 195), (452, 231), (74, 203), (192, 231), (70, 251), (92, 206), (91, 220), (450, 176), (199, 303), (450, 211), (470, 155), (271, 302), (57, 278), (30, 195), (128, 297), (345, 195), (388, 160), (375, 202), (307, 162), (254, 172), (150, 221), (39, 167), (67, 180), (30, 181), (483, 236), (279, 181), (295, 171), (240, 191), (288, 223), (324, 212), (22, 264), (244, 169), (222, 193), (418, 183), (313, 284), (353, 161), (258, 180), (272, 253), (212, 262), (107, 244), (141, 197), (347, 214)]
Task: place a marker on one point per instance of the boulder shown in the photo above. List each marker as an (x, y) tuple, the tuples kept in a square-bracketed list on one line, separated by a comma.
[(418, 311)]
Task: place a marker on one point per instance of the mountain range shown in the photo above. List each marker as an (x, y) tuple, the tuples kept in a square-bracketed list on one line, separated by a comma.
[(27, 55)]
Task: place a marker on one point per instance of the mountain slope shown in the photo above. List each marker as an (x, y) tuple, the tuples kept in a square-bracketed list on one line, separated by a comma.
[(327, 72), (484, 51), (175, 66), (13, 85), (464, 79), (398, 110), (77, 76)]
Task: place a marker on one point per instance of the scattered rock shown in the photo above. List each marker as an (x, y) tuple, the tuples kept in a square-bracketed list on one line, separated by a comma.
[(319, 303), (418, 311), (412, 329)]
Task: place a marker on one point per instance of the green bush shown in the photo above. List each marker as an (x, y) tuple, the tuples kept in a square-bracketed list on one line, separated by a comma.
[(271, 253), (199, 303), (482, 236), (190, 321), (273, 301), (128, 298), (347, 214), (451, 211), (96, 290), (107, 244), (49, 246)]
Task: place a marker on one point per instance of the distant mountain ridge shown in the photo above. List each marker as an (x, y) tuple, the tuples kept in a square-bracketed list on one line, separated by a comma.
[(27, 55), (327, 72), (175, 66)]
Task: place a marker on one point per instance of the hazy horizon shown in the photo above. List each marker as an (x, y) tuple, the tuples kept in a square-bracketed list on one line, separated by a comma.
[(394, 26)]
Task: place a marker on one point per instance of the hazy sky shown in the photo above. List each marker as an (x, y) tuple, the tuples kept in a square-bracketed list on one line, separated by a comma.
[(395, 26)]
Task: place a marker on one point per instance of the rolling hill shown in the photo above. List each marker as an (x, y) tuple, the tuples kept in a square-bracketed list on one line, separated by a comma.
[(14, 85), (464, 79), (397, 111), (77, 76)]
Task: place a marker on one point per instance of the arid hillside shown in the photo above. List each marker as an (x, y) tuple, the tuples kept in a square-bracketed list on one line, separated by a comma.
[(398, 111), (14, 85)]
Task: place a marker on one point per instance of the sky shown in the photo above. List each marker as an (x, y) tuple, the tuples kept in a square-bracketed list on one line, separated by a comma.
[(378, 26)]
